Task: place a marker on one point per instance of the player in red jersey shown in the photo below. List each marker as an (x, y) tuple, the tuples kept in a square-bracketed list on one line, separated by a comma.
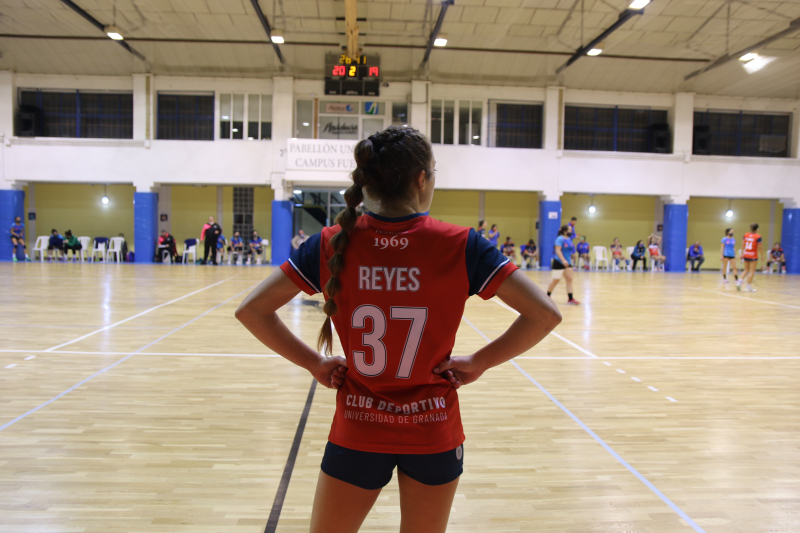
[(395, 283), (751, 251)]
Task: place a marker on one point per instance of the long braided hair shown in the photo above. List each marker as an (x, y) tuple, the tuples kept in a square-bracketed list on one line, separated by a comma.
[(386, 163)]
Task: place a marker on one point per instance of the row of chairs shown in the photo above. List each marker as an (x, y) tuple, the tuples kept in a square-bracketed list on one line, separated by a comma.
[(601, 256), (103, 247), (234, 257)]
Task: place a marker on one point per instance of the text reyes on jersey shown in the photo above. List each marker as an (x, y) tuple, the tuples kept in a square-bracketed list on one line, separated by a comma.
[(380, 278)]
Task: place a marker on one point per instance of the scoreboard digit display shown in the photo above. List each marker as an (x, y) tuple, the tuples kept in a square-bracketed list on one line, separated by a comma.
[(358, 76)]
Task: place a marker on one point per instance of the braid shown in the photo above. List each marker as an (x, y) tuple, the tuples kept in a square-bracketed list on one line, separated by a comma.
[(387, 163)]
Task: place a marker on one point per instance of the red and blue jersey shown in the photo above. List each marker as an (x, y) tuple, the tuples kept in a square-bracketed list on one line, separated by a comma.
[(404, 286)]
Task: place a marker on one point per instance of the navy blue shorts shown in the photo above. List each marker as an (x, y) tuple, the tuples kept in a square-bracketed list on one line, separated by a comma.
[(371, 471)]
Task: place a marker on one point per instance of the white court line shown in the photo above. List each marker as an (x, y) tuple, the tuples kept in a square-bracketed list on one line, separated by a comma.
[(30, 357), (11, 365), (154, 353), (652, 388), (607, 364), (620, 371), (54, 398), (637, 380), (742, 297), (553, 333), (671, 399), (601, 442), (135, 316)]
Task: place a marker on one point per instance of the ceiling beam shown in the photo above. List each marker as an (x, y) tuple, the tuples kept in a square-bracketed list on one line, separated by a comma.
[(96, 23), (623, 18), (436, 29), (351, 27), (268, 29), (793, 27)]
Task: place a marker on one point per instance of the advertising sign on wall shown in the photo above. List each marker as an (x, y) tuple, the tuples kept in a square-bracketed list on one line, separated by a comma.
[(320, 155)]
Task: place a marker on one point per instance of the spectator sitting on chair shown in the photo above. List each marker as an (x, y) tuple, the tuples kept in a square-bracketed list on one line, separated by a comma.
[(508, 250), (696, 256), (56, 244), (656, 259), (71, 242), (299, 239), (776, 255), (583, 252), (530, 254), (166, 243), (256, 247), (236, 245), (617, 254), (638, 255), (221, 244), (18, 237)]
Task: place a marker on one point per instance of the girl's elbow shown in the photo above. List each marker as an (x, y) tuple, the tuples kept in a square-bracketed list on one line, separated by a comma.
[(554, 318), (242, 312)]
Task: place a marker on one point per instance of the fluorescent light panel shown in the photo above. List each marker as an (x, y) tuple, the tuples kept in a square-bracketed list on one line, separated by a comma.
[(638, 4), (440, 40), (594, 52)]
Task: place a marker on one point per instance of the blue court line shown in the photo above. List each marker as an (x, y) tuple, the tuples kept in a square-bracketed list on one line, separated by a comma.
[(601, 442), (51, 400)]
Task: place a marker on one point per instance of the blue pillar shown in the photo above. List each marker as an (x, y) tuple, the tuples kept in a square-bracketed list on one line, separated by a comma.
[(549, 223), (145, 225), (281, 231), (676, 223), (790, 239), (12, 204)]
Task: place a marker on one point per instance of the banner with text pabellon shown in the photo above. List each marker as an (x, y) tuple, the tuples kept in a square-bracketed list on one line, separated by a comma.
[(320, 161)]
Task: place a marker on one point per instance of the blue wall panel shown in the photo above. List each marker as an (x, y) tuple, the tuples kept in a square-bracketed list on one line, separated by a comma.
[(676, 223), (145, 225), (790, 239), (12, 204), (282, 224), (549, 223)]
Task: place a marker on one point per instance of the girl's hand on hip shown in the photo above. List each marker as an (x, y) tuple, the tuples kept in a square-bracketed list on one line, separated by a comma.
[(330, 371), (459, 370)]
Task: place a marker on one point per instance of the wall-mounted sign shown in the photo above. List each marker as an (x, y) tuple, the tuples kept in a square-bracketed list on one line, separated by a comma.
[(164, 217), (370, 108), (320, 154), (552, 215), (349, 109)]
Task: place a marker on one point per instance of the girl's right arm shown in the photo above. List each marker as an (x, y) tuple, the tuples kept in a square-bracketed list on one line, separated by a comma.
[(258, 313), (538, 316)]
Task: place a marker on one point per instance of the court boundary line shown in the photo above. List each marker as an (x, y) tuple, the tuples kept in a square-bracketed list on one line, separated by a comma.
[(106, 328), (742, 297), (283, 486), (601, 442), (53, 399)]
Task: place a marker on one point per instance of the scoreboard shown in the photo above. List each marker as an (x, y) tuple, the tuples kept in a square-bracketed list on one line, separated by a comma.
[(352, 76)]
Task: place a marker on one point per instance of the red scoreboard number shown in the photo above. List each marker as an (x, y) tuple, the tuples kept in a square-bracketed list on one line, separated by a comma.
[(354, 71)]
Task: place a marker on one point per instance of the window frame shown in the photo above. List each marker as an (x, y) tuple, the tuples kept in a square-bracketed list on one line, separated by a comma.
[(739, 135), (614, 130), (494, 121), (197, 117), (78, 115), (246, 116), (456, 122)]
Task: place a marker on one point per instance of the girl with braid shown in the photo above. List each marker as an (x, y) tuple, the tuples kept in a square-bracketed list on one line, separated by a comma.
[(395, 282)]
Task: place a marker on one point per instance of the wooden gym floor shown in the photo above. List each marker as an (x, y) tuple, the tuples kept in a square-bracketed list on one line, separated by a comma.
[(131, 400)]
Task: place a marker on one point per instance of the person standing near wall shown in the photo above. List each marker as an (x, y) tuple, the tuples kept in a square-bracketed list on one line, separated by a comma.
[(752, 249), (210, 234), (18, 238), (562, 262), (728, 252), (494, 235)]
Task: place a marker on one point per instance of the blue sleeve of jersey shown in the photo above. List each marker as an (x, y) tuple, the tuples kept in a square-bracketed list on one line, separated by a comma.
[(559, 240), (305, 261), (483, 262)]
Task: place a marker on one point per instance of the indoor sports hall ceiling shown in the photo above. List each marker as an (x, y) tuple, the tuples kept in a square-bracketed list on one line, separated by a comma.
[(490, 42)]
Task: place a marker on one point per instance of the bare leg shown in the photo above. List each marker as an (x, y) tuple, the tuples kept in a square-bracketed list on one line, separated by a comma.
[(340, 507), (553, 283), (424, 508), (568, 276)]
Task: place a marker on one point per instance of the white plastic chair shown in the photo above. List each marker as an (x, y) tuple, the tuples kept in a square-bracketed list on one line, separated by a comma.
[(85, 243), (99, 248), (600, 256), (116, 249), (189, 247), (41, 247), (238, 255)]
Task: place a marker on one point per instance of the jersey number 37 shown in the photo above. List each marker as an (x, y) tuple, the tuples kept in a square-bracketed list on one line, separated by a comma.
[(418, 317)]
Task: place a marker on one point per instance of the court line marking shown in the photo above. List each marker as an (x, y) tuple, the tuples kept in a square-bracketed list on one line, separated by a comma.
[(637, 380), (553, 333), (601, 442), (742, 297), (105, 328), (670, 398), (11, 365), (54, 398), (652, 388), (283, 486)]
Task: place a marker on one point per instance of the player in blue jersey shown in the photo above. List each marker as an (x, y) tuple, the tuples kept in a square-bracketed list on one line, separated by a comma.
[(18, 237), (728, 251), (583, 252), (562, 262), (395, 283)]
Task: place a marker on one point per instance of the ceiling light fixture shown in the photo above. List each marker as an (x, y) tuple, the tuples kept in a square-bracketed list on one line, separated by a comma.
[(306, 124), (594, 52), (748, 57), (729, 212), (754, 65), (440, 40), (638, 4), (592, 208), (114, 32), (277, 37), (297, 191), (342, 191), (104, 200)]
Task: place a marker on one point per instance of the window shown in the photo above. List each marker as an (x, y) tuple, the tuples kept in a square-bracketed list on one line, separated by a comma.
[(79, 114), (741, 134), (243, 212), (186, 117), (516, 125), (232, 110), (616, 129), (445, 124), (303, 119), (399, 113)]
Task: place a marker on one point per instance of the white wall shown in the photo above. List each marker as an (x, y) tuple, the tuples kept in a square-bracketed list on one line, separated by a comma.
[(551, 171)]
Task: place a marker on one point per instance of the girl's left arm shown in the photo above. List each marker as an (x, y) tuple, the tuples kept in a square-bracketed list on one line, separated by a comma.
[(258, 313)]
